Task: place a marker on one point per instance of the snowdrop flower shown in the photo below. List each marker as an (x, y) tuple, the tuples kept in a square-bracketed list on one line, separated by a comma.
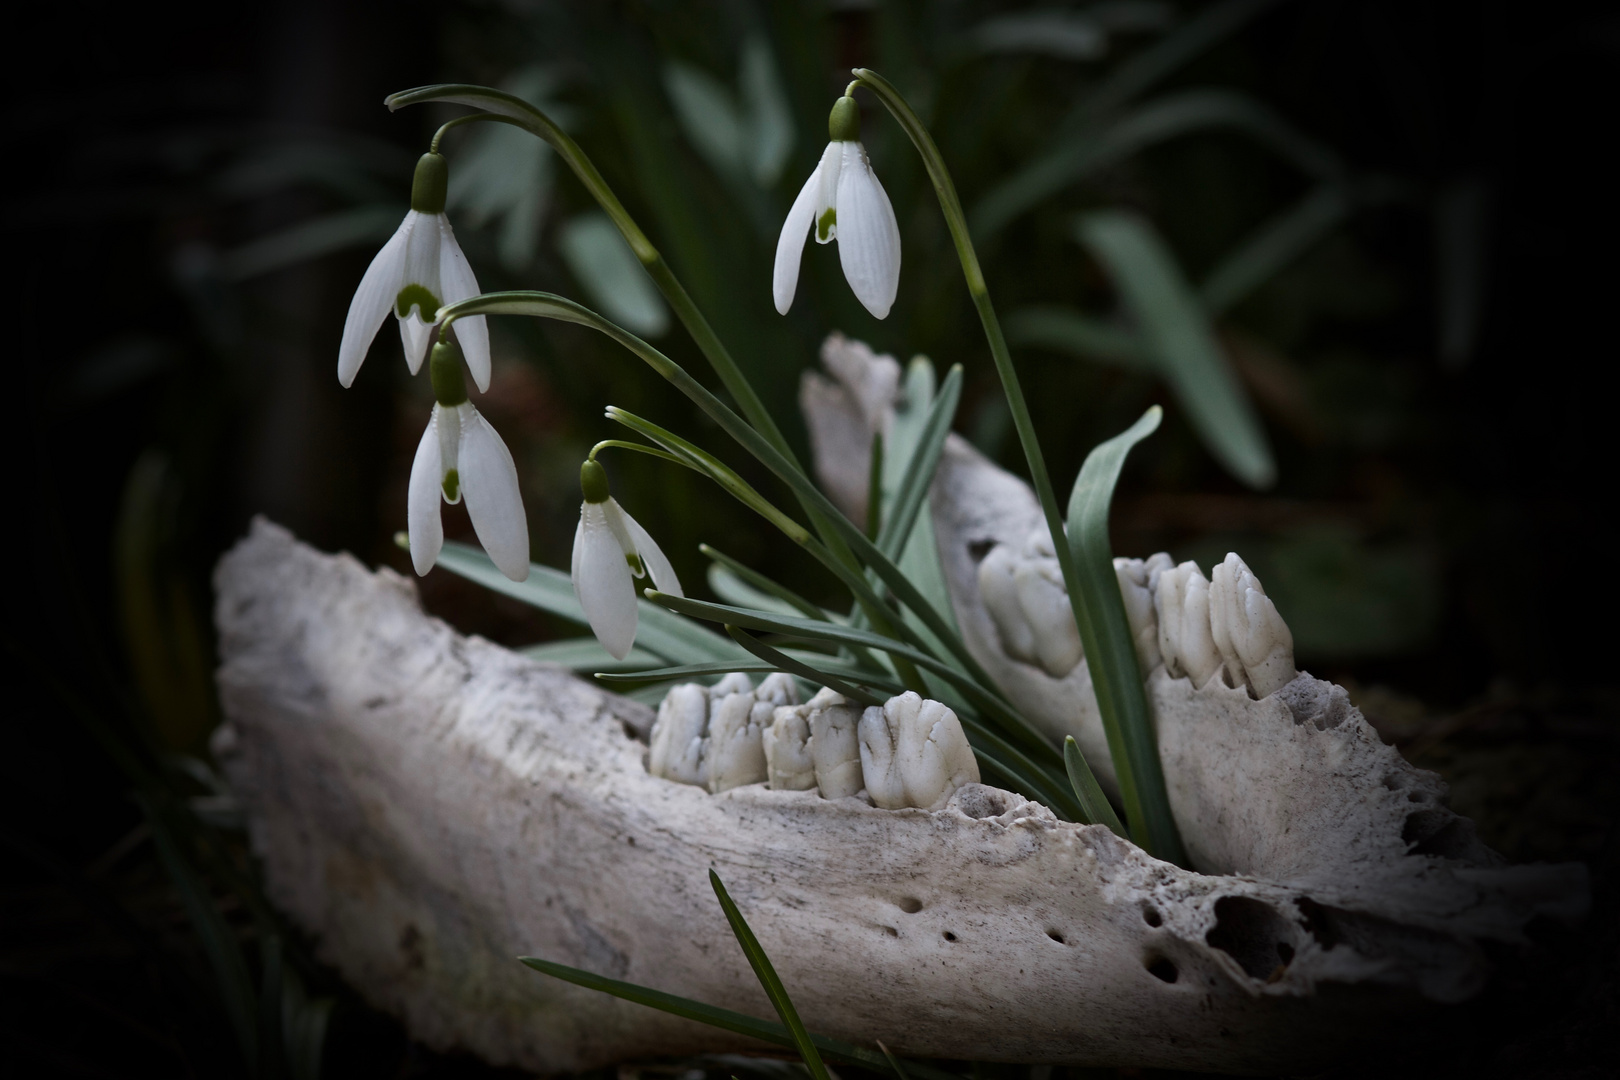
[(461, 455), (609, 550), (843, 199), (417, 272)]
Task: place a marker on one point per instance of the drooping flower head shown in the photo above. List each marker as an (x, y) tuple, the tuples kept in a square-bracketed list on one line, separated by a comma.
[(610, 551), (418, 271), (843, 200), (461, 456)]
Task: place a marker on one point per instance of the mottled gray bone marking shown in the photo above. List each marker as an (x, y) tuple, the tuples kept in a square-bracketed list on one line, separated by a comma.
[(428, 806)]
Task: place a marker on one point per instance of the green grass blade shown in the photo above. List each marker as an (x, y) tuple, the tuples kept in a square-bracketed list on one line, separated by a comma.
[(766, 974), (821, 663), (726, 1019), (1172, 51), (919, 470), (1110, 652), (761, 584), (818, 676), (1092, 800), (587, 654), (673, 639), (1273, 246), (1182, 341)]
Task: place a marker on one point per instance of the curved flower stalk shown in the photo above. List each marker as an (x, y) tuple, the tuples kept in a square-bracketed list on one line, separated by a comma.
[(460, 455), (610, 550), (418, 271), (844, 200)]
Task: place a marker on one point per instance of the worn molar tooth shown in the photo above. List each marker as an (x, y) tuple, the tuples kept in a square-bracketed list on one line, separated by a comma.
[(788, 764), (835, 748), (1135, 588), (1049, 615), (735, 749), (1255, 644), (999, 591), (1186, 644), (677, 737), (914, 753)]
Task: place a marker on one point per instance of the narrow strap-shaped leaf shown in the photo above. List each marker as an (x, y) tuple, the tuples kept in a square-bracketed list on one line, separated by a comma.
[(874, 488), (802, 658), (1273, 246), (765, 584), (727, 1020), (1086, 789), (1063, 329), (587, 654), (1183, 343), (803, 670), (673, 638), (1105, 634), (766, 974), (920, 469)]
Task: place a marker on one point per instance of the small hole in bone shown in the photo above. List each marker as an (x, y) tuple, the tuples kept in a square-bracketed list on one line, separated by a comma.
[(1055, 935), (949, 936), (891, 931), (1437, 831), (1285, 952), (1416, 796), (909, 904), (1250, 932), (1393, 781), (1151, 916), (1162, 969), (978, 549)]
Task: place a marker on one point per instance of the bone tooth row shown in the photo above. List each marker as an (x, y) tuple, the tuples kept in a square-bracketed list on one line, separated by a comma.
[(1256, 646), (1185, 642), (1137, 578), (914, 753), (1024, 594), (815, 746), (714, 737)]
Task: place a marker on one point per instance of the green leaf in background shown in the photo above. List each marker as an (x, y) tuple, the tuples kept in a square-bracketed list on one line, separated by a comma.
[(1182, 342), (767, 114), (748, 134), (587, 654), (1063, 329), (1273, 246), (676, 640), (766, 974), (598, 257), (1106, 635), (313, 237)]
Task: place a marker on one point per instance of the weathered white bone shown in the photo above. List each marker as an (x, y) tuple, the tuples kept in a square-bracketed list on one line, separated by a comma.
[(843, 413), (1024, 594), (914, 753), (1254, 642), (835, 744), (1186, 637), (714, 737), (677, 751), (428, 806)]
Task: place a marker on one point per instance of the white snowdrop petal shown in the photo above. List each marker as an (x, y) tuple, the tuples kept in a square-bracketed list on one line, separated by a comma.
[(827, 172), (371, 304), (422, 500), (489, 482), (456, 277), (602, 582), (414, 335), (868, 235), (790, 245), (652, 557)]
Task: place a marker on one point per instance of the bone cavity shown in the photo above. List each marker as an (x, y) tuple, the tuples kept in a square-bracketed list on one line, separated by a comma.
[(914, 753), (1255, 644), (1186, 644)]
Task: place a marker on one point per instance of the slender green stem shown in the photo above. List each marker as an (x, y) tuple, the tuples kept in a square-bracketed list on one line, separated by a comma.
[(1139, 775), (640, 448), (470, 118)]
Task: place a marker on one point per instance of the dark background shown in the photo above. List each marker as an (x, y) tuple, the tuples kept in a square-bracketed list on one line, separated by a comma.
[(1435, 536)]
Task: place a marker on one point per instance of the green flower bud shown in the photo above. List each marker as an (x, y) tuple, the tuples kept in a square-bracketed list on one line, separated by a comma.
[(593, 481), (431, 183), (444, 368), (844, 123)]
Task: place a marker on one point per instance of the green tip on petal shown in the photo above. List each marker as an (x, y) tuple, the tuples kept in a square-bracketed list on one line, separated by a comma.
[(449, 384), (432, 183), (825, 223), (844, 123), (452, 485), (593, 481), (418, 297), (635, 564)]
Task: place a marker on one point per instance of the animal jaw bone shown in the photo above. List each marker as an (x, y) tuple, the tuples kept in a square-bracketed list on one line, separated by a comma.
[(428, 806)]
